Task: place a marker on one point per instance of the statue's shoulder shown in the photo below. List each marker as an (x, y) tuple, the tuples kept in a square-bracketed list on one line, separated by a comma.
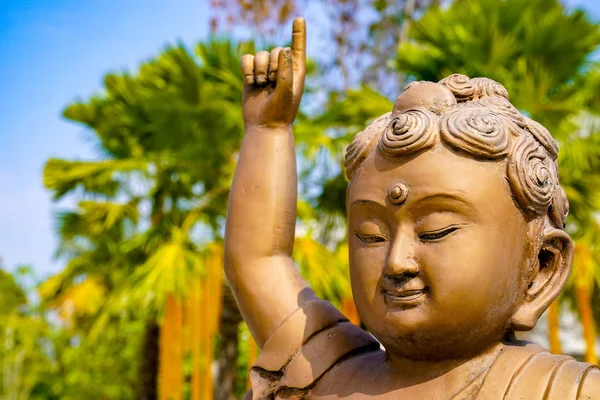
[(590, 385), (527, 371), (307, 344)]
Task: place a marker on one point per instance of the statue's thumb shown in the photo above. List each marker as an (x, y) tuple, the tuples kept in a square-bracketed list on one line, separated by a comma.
[(285, 77)]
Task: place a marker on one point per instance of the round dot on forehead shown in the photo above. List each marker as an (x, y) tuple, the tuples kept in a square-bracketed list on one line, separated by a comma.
[(398, 193)]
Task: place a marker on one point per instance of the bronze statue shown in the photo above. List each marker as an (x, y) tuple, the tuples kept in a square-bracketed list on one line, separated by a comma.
[(456, 234)]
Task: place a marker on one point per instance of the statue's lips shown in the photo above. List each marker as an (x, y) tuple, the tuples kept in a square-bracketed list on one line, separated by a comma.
[(404, 294)]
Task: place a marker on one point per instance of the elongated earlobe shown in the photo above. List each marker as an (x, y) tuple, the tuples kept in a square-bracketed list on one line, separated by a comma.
[(547, 279)]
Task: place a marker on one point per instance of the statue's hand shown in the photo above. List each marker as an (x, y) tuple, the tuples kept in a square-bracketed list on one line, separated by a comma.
[(274, 82)]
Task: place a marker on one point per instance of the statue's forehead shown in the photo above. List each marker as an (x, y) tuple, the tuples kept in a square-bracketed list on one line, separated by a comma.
[(438, 170)]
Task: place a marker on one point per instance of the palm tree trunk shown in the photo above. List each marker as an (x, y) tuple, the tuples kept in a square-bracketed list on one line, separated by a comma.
[(148, 371), (171, 355), (171, 352), (587, 322), (207, 338), (194, 316), (152, 349), (230, 321), (177, 365), (554, 328)]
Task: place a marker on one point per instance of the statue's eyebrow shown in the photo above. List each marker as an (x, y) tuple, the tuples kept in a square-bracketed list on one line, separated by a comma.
[(366, 202), (445, 197)]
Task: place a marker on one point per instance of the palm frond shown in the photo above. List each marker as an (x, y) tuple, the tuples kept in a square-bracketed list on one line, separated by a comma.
[(94, 177)]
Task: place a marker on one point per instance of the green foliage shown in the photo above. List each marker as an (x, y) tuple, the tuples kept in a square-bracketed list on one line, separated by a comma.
[(40, 359), (11, 294), (23, 359), (22, 356), (512, 41), (102, 368), (99, 178), (472, 37)]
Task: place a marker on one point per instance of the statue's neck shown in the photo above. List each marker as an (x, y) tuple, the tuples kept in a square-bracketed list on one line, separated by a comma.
[(453, 371)]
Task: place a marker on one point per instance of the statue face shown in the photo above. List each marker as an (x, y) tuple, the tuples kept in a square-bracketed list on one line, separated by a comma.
[(438, 274)]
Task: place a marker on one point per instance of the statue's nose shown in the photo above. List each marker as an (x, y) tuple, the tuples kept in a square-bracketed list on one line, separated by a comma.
[(401, 259)]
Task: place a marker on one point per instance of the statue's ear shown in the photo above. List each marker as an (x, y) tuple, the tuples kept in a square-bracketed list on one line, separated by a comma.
[(549, 275)]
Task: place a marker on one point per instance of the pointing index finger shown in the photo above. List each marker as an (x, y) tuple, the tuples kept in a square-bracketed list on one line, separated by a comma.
[(299, 36)]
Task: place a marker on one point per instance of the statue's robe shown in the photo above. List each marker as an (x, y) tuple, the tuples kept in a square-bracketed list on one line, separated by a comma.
[(294, 360)]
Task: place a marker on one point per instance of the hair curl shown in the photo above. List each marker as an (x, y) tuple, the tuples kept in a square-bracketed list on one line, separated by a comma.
[(483, 124), (408, 132), (481, 132)]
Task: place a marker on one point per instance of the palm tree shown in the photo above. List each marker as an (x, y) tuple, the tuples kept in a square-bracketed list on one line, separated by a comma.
[(167, 136)]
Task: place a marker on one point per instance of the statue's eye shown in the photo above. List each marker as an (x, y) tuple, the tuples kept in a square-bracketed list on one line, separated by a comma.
[(435, 235), (370, 239)]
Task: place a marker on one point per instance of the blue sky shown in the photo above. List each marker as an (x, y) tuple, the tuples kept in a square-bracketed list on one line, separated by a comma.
[(51, 53)]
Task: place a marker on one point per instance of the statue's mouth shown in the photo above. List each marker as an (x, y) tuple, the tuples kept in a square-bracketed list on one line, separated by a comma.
[(405, 289), (404, 296)]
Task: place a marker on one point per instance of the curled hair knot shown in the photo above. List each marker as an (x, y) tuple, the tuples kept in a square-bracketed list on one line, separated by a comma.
[(460, 85), (478, 131), (362, 143), (502, 106), (411, 131), (485, 87), (532, 176), (559, 209), (542, 135)]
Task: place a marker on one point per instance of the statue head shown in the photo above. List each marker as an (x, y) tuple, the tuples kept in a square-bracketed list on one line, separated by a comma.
[(456, 220)]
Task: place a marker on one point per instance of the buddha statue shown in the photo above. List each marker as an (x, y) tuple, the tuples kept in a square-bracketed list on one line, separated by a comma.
[(456, 230)]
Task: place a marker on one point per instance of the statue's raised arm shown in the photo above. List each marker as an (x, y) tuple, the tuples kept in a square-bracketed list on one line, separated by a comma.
[(261, 219)]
